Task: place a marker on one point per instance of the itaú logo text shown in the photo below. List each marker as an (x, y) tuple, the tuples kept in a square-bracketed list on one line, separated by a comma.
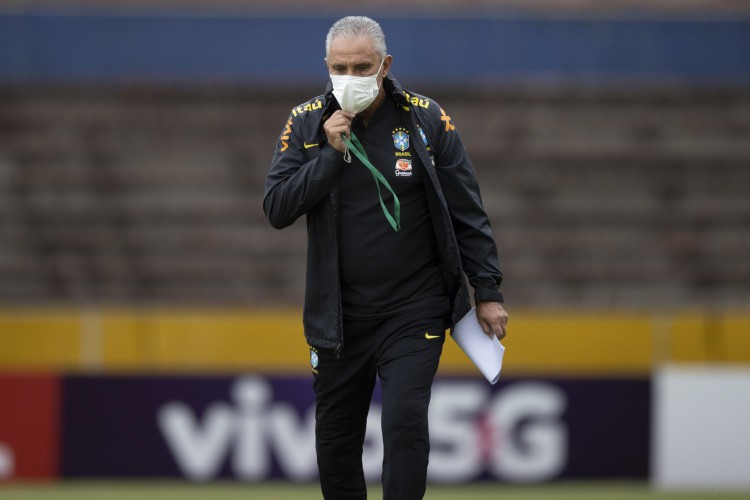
[(515, 434)]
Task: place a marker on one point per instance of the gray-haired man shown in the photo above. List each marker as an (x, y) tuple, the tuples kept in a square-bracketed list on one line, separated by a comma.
[(395, 223)]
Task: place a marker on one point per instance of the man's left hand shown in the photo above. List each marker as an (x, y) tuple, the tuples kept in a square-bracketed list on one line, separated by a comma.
[(492, 318)]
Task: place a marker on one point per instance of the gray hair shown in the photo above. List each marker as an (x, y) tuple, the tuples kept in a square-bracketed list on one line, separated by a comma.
[(354, 27)]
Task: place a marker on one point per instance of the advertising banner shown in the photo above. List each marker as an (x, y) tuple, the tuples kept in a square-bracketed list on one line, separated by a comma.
[(29, 415), (702, 440), (254, 428)]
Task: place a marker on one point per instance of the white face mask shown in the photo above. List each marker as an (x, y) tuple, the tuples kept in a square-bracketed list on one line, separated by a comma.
[(356, 93)]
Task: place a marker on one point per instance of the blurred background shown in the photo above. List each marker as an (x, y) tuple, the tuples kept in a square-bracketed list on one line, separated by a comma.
[(150, 318)]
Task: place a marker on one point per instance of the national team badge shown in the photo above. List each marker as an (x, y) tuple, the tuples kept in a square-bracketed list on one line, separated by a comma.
[(403, 168), (313, 358), (401, 140)]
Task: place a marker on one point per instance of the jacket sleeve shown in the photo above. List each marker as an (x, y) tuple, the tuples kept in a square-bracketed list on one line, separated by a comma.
[(471, 225), (293, 184)]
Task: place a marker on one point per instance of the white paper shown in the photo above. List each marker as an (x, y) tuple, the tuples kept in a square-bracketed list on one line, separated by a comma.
[(485, 352)]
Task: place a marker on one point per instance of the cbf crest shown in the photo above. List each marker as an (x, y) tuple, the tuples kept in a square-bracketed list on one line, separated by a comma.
[(401, 139)]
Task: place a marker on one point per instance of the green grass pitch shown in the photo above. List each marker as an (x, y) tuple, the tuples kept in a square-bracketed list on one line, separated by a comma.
[(161, 490)]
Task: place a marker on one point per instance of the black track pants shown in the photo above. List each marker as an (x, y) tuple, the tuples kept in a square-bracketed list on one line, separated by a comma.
[(404, 353)]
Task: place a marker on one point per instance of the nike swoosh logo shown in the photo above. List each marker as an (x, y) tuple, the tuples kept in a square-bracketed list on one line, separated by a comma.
[(308, 146), (430, 337)]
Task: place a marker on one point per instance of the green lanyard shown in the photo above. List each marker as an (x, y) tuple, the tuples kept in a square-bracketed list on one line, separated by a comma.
[(359, 151)]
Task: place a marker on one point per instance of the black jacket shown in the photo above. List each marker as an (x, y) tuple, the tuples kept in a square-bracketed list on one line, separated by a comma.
[(303, 179)]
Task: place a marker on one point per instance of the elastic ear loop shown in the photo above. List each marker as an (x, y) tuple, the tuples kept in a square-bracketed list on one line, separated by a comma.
[(359, 151)]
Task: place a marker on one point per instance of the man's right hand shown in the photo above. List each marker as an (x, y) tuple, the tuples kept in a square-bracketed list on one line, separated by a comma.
[(339, 123)]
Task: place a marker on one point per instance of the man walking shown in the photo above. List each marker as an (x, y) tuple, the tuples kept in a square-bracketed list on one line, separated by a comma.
[(395, 223)]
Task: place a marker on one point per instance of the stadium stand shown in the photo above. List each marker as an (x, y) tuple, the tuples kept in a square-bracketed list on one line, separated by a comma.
[(608, 193), (604, 197)]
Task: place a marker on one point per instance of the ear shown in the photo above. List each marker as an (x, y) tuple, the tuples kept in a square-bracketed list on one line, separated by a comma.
[(387, 61)]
